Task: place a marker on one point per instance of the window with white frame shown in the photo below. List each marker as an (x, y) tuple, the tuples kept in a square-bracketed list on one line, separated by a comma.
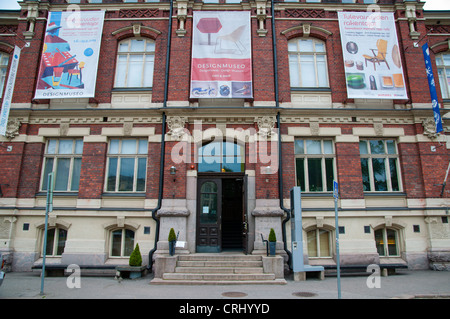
[(319, 243), (387, 242), (314, 164), (4, 60), (127, 165), (135, 63), (380, 165), (122, 243), (308, 63), (443, 67), (56, 241), (63, 158)]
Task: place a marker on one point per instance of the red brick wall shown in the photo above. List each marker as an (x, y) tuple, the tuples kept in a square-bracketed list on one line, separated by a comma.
[(348, 163), (92, 175)]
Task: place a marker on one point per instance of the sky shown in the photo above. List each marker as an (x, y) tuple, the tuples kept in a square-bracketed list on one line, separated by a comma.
[(429, 5)]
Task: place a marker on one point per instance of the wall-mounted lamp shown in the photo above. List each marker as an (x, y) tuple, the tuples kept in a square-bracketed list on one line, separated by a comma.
[(173, 170)]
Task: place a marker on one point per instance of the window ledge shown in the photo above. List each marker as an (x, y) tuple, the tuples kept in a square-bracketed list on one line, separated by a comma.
[(310, 89), (380, 194), (123, 194), (134, 89)]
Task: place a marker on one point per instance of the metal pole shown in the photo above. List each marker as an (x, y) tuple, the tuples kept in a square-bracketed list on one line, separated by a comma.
[(338, 267), (48, 208)]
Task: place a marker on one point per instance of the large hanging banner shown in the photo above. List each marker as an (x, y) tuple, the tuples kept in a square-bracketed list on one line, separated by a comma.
[(221, 65), (70, 55), (373, 67)]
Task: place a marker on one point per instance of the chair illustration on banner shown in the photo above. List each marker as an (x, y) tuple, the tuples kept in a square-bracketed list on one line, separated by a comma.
[(233, 37), (380, 56)]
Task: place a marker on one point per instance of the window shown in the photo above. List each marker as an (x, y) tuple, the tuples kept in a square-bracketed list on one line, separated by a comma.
[(443, 67), (221, 157), (319, 243), (308, 63), (135, 61), (386, 240), (122, 243), (314, 165), (380, 165), (63, 158), (4, 60), (56, 241), (127, 165)]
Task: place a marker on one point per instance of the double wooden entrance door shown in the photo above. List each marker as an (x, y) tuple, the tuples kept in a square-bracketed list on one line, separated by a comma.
[(221, 213)]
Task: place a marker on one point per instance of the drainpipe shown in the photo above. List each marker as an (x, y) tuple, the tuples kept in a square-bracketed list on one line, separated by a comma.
[(163, 143), (280, 157)]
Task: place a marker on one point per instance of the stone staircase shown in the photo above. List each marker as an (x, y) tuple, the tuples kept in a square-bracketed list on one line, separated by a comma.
[(218, 269)]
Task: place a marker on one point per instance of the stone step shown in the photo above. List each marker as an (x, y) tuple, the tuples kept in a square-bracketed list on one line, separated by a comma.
[(218, 257), (220, 270), (160, 281), (203, 263), (218, 277)]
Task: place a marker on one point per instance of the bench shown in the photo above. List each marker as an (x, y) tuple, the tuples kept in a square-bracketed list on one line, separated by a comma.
[(386, 269), (59, 270)]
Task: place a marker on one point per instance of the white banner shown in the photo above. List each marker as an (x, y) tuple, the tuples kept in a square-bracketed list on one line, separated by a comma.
[(9, 90), (221, 65), (70, 55), (373, 67)]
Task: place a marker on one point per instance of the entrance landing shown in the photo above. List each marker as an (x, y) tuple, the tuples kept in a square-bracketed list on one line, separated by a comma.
[(228, 268)]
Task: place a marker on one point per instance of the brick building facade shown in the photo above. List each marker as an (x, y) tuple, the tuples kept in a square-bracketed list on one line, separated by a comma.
[(385, 153)]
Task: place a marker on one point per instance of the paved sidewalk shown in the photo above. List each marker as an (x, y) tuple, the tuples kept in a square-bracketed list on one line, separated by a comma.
[(405, 284)]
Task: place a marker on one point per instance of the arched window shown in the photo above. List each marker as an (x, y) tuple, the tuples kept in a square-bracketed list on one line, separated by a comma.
[(122, 242), (387, 242), (221, 157), (4, 60), (308, 63), (443, 66), (56, 241), (135, 62), (319, 243)]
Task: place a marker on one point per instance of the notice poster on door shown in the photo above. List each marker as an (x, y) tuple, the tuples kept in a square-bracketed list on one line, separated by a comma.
[(221, 65), (373, 67), (70, 54)]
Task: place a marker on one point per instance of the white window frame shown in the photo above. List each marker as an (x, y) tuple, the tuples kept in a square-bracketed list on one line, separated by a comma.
[(306, 156), (122, 242), (317, 236), (443, 74), (386, 156), (298, 53), (128, 54), (4, 62), (55, 242), (136, 156), (56, 156), (385, 241)]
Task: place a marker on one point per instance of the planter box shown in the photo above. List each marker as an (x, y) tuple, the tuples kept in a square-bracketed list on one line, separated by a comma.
[(131, 272)]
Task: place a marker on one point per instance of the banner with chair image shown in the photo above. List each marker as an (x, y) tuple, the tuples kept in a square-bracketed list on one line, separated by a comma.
[(70, 55), (221, 65), (372, 61)]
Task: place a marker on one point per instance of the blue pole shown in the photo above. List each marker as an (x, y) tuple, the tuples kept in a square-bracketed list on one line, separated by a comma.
[(48, 208)]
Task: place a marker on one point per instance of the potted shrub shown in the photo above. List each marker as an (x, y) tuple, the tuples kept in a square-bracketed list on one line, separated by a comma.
[(135, 258), (172, 241), (272, 242), (134, 268)]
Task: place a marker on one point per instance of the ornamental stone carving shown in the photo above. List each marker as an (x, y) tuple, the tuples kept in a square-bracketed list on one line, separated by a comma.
[(176, 126), (12, 129), (265, 126), (429, 128)]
